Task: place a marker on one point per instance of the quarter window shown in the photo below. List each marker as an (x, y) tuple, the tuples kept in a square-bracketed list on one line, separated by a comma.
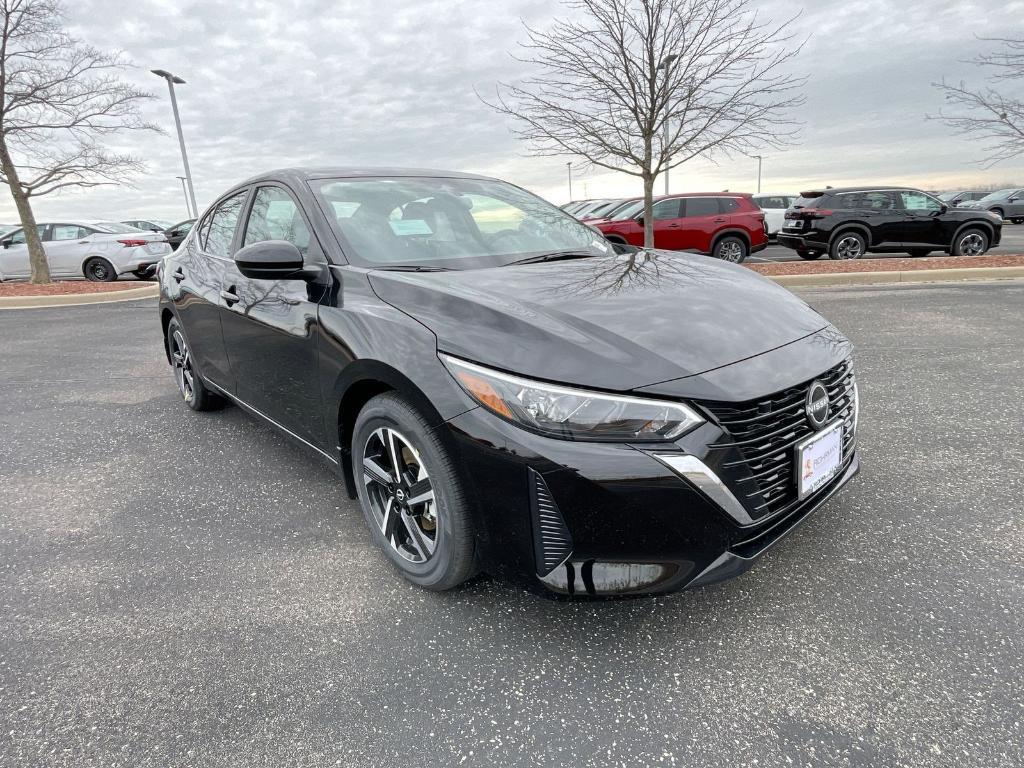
[(728, 204), (275, 216), (222, 226)]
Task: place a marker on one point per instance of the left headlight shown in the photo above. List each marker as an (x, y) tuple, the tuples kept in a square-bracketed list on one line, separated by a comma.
[(572, 414)]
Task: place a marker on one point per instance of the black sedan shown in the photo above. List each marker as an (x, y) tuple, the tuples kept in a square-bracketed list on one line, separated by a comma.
[(504, 391), (851, 222)]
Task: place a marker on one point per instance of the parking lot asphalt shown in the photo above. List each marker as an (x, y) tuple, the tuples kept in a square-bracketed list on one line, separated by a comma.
[(1012, 241), (182, 589)]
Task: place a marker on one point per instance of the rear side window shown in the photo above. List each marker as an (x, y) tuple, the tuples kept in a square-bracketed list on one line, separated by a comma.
[(222, 226), (702, 206), (875, 200)]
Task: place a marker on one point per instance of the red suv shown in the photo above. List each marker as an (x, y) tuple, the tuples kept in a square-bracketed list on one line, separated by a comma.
[(725, 225)]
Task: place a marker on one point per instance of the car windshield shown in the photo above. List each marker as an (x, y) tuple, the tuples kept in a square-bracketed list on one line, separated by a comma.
[(162, 223), (997, 195), (114, 227), (627, 211), (448, 223)]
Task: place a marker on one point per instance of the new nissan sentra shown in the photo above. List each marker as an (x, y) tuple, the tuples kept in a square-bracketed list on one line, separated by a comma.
[(505, 391)]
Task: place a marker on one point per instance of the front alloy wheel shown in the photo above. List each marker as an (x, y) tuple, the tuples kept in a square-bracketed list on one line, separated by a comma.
[(971, 243), (400, 495)]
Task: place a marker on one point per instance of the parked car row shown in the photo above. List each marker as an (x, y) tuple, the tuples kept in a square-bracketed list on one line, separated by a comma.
[(844, 223), (99, 251)]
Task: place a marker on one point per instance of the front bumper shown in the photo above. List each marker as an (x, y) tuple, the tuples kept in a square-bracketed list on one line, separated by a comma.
[(608, 519)]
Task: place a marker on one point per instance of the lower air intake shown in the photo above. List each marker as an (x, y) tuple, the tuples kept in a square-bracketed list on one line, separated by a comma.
[(551, 540)]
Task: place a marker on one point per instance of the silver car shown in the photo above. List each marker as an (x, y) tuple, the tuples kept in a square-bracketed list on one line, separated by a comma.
[(1008, 203), (96, 251)]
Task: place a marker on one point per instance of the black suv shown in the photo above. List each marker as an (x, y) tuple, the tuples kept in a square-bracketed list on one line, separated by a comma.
[(846, 223)]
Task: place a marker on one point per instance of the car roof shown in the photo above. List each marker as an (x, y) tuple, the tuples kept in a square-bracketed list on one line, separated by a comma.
[(354, 172), (862, 188)]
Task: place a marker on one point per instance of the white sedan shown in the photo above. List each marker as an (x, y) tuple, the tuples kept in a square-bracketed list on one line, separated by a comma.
[(774, 207), (96, 251)]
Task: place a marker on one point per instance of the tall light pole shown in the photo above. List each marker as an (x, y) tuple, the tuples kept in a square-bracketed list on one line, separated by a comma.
[(664, 64), (171, 81), (188, 209), (569, 166), (759, 159)]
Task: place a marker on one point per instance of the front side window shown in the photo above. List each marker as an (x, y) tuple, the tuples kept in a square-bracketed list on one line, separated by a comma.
[(919, 201), (222, 226), (1002, 194), (665, 209), (447, 223), (18, 236), (275, 216)]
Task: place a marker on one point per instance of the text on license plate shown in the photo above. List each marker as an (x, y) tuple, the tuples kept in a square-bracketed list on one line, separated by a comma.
[(818, 459)]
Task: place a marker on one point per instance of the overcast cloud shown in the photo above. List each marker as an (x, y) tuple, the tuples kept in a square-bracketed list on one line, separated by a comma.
[(391, 82)]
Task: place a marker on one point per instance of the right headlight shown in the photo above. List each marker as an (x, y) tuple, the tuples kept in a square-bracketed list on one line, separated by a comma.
[(569, 413)]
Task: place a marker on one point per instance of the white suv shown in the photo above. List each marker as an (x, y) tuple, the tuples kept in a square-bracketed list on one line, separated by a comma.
[(774, 207), (96, 251)]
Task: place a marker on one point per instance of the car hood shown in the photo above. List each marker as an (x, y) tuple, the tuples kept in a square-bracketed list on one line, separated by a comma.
[(611, 322)]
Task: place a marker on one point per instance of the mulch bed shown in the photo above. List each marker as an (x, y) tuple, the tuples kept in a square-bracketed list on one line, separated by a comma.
[(824, 265), (66, 286)]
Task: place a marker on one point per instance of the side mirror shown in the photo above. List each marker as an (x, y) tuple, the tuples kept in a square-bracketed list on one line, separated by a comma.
[(640, 220), (6, 242), (274, 260), (943, 208)]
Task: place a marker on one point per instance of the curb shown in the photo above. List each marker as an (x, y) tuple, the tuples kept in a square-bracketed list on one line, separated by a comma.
[(909, 276), (77, 299)]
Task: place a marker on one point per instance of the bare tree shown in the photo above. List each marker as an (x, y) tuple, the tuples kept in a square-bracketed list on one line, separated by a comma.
[(992, 116), (58, 100), (643, 86)]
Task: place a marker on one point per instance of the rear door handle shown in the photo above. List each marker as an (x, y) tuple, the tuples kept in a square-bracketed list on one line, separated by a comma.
[(178, 274), (719, 221), (230, 297)]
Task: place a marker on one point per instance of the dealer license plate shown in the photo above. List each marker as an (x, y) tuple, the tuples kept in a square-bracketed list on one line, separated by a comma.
[(818, 459)]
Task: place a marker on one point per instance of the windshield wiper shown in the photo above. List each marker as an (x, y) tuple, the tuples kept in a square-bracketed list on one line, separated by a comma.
[(413, 268), (556, 256)]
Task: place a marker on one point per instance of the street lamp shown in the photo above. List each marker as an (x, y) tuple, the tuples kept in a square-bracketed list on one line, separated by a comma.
[(188, 209), (171, 81), (569, 166), (759, 159), (664, 64)]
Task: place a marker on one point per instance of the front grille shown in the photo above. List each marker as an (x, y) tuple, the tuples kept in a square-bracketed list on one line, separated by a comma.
[(765, 432)]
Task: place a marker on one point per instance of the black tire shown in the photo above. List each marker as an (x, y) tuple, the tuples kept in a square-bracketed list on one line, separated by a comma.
[(99, 270), (918, 253), (144, 274), (847, 245), (809, 255), (452, 559), (191, 386), (970, 242), (732, 249), (1017, 221), (997, 211)]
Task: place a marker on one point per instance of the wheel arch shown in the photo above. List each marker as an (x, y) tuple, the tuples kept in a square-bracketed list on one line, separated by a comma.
[(860, 229), (361, 381), (165, 320), (616, 238), (731, 231), (981, 224)]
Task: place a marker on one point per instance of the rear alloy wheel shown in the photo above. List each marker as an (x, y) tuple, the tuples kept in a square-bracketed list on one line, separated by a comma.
[(410, 494), (809, 255), (849, 245), (731, 249), (99, 270), (970, 242), (196, 394)]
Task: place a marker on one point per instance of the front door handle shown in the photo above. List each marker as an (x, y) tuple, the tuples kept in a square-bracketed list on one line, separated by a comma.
[(230, 297), (178, 274)]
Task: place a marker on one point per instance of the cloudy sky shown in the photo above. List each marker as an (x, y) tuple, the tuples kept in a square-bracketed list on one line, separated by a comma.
[(391, 82)]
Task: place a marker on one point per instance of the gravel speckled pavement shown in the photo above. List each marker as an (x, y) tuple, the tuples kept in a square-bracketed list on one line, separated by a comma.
[(181, 589)]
